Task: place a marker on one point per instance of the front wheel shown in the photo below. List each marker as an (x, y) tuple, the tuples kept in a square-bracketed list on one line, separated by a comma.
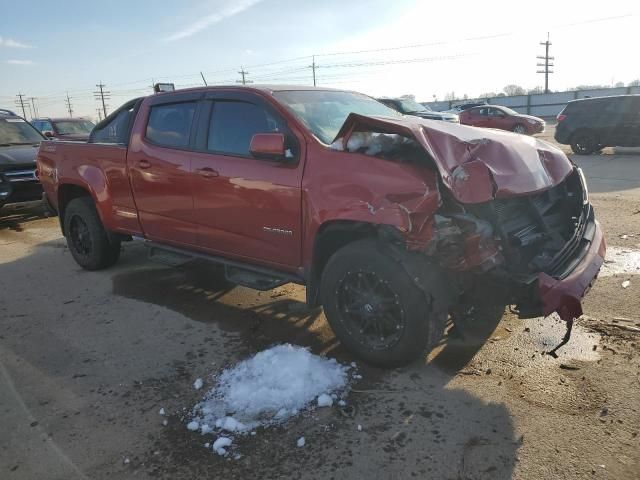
[(519, 128), (376, 310), (87, 239)]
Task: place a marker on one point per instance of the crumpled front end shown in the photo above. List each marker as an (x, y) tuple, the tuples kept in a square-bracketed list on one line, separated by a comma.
[(514, 211)]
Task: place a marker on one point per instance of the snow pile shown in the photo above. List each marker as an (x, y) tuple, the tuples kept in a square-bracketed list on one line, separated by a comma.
[(621, 260), (267, 389), (373, 142)]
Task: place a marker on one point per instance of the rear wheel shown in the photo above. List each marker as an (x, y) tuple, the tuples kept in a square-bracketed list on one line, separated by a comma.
[(375, 309), (584, 142), (87, 239)]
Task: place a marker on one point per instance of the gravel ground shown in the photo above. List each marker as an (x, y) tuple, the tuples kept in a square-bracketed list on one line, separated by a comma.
[(88, 358)]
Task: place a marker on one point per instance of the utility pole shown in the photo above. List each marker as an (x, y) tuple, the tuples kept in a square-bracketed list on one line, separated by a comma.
[(243, 72), (101, 95), (313, 68), (35, 110), (99, 110), (205, 82), (547, 63), (68, 102), (20, 102)]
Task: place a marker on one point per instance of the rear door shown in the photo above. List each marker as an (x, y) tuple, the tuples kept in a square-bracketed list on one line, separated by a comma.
[(246, 207), (159, 163)]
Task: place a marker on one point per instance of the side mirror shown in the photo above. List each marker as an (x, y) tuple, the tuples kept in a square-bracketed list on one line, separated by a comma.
[(48, 133), (268, 145)]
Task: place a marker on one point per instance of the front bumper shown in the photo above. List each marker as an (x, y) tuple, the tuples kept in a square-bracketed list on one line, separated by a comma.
[(562, 293)]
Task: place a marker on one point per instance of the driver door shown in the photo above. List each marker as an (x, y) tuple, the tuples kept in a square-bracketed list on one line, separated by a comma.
[(246, 207)]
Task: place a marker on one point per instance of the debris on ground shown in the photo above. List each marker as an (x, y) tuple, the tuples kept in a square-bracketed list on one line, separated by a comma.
[(220, 445), (300, 442), (161, 412), (626, 284), (268, 389), (198, 384)]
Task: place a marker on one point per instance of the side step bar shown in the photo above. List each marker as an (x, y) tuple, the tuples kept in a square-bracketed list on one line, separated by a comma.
[(247, 275)]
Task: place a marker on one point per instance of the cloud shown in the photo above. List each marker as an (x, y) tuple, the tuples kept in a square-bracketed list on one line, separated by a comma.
[(11, 43), (20, 62), (225, 11)]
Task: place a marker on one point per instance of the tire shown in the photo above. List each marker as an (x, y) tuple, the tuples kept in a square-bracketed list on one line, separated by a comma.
[(475, 324), (584, 142), (519, 128), (366, 293), (87, 239)]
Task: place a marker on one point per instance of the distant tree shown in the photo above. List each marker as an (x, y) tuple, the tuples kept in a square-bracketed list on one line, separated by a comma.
[(512, 90), (589, 87), (488, 95), (535, 90), (409, 96), (634, 83), (450, 96), (619, 84), (501, 95), (465, 97)]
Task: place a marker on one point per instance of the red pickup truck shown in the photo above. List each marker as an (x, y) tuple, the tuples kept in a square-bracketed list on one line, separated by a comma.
[(392, 222)]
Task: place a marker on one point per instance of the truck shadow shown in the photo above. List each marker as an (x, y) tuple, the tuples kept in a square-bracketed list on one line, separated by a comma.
[(419, 423)]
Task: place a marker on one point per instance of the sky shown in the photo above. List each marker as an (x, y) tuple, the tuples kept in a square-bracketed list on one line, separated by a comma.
[(378, 47)]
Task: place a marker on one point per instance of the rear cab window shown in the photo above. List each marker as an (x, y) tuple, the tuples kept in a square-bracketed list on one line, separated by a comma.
[(115, 128)]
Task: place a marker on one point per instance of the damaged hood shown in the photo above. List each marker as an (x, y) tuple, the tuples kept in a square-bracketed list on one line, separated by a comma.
[(476, 164)]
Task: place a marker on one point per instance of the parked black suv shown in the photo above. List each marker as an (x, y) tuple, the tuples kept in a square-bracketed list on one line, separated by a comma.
[(19, 143), (590, 124)]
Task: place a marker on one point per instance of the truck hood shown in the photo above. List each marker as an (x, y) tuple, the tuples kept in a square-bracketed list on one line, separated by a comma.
[(476, 164), (17, 156)]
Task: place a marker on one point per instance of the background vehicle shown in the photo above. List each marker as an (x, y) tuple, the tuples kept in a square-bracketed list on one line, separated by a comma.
[(590, 124), (503, 118), (77, 129), (389, 220), (411, 107), (18, 150), (461, 107)]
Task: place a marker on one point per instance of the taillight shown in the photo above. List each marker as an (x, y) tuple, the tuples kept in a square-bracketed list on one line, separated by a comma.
[(560, 117)]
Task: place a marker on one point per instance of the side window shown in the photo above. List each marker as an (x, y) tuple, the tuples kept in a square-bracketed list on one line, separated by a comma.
[(170, 125), (494, 112), (233, 124), (46, 126), (115, 131), (615, 106), (482, 112)]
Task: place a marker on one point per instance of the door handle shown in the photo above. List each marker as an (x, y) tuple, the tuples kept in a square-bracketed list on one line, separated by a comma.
[(144, 164), (207, 172)]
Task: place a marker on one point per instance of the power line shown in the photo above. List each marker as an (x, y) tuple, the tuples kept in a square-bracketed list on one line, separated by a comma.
[(35, 110), (547, 65), (101, 95), (244, 73), (20, 102), (68, 103)]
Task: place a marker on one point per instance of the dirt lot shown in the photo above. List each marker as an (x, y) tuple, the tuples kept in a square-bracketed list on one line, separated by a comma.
[(87, 360)]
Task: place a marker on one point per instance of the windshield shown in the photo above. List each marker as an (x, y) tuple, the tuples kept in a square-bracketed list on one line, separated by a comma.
[(411, 106), (324, 112), (15, 131), (508, 111), (73, 127)]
